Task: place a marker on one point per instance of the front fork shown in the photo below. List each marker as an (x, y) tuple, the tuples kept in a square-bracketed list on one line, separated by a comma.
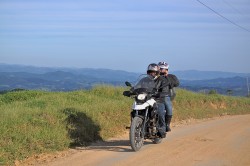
[(144, 119)]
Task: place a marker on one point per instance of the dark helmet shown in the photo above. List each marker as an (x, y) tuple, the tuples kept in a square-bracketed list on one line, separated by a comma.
[(153, 67)]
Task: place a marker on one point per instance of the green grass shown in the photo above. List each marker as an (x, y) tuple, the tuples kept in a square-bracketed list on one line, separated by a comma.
[(34, 122), (196, 105)]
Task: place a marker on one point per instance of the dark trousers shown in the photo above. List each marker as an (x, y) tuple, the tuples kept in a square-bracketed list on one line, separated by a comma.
[(161, 115)]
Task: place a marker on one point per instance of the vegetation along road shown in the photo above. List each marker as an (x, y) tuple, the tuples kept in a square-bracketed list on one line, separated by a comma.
[(221, 141)]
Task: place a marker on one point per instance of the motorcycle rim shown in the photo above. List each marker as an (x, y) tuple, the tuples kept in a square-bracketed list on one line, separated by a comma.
[(136, 136)]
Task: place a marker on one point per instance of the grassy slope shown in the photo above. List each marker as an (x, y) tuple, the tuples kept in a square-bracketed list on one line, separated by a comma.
[(195, 105), (34, 122)]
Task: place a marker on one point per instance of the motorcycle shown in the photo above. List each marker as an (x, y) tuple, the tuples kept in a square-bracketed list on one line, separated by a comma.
[(144, 117)]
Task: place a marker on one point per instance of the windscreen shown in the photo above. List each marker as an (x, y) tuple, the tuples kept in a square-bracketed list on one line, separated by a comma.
[(146, 83)]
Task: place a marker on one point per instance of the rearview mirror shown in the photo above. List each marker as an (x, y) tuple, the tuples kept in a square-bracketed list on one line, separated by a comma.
[(128, 84)]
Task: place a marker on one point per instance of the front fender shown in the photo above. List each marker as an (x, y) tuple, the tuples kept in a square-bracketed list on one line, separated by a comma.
[(143, 106)]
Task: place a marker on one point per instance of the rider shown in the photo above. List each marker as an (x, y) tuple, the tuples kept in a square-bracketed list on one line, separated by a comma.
[(174, 82), (162, 86)]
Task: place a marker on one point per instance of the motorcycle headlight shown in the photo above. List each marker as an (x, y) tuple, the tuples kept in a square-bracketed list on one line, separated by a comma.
[(141, 96)]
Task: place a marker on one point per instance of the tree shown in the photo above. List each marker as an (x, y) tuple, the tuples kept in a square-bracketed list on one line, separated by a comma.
[(213, 91), (229, 92)]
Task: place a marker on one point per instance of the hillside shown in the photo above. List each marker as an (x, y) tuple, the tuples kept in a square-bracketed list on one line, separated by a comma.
[(207, 75), (237, 85), (68, 79), (183, 75), (34, 122)]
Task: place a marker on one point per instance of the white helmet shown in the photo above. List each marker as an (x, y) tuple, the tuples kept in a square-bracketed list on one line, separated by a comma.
[(163, 65)]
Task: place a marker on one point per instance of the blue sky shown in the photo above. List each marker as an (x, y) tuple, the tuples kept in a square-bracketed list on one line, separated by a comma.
[(126, 35)]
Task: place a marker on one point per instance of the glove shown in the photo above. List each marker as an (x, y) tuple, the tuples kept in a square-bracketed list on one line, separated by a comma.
[(127, 93), (156, 95)]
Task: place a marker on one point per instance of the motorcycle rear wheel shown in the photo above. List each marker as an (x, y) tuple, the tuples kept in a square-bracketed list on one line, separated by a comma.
[(135, 135)]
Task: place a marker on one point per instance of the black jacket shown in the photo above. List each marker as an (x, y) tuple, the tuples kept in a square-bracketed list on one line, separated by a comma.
[(162, 86), (174, 81)]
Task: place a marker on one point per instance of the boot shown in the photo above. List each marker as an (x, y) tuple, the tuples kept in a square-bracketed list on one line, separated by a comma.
[(168, 120), (161, 135)]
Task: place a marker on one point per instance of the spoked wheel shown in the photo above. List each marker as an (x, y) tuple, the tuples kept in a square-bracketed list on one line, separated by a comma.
[(136, 136)]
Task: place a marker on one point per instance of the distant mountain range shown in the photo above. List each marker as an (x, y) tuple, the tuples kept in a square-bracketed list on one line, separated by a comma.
[(67, 79), (237, 85), (59, 79), (206, 75)]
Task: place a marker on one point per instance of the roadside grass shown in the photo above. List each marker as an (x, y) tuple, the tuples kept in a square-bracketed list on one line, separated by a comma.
[(196, 105), (35, 122)]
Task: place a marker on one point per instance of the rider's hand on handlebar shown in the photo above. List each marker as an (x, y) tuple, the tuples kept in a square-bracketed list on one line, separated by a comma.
[(127, 93), (156, 95)]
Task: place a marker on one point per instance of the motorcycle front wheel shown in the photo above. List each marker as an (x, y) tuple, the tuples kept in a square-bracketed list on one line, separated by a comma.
[(135, 135)]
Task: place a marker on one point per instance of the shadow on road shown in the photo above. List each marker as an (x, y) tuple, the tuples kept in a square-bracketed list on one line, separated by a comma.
[(83, 132), (81, 128), (113, 145)]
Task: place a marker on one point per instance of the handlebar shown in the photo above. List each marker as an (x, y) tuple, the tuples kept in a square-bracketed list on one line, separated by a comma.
[(131, 94)]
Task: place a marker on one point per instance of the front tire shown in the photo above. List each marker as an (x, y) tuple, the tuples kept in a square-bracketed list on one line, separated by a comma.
[(136, 136)]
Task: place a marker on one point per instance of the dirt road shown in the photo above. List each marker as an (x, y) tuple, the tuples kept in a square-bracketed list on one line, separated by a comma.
[(220, 142)]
